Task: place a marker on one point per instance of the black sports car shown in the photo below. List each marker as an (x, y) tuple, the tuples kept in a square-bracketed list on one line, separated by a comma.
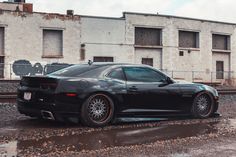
[(96, 94)]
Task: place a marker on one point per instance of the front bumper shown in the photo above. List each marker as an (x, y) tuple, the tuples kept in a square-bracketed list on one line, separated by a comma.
[(216, 103)]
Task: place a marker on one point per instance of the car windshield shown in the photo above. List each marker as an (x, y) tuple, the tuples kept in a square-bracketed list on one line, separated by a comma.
[(75, 70)]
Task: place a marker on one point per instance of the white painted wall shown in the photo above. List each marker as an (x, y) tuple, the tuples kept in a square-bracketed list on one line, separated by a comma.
[(11, 6), (24, 37), (102, 30), (225, 57), (199, 59), (114, 37), (106, 37), (156, 54)]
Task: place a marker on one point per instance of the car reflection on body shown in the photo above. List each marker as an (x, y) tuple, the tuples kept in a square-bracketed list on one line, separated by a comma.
[(96, 94)]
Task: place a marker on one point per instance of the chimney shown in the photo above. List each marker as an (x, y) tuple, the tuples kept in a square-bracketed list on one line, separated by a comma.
[(28, 7), (70, 12)]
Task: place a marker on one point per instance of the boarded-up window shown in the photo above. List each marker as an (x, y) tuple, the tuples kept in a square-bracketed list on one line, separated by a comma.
[(2, 34), (52, 43), (188, 39), (221, 42), (148, 36), (103, 59), (147, 61)]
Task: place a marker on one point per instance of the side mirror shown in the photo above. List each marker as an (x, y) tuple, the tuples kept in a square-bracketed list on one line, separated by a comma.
[(169, 80), (166, 82)]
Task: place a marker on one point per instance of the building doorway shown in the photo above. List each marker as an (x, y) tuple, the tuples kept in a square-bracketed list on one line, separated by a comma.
[(1, 67), (219, 70)]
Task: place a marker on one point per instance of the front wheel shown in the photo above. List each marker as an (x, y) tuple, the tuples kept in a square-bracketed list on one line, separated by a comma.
[(97, 111), (203, 106)]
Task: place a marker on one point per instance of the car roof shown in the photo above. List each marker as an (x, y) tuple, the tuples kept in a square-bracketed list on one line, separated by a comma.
[(115, 64), (104, 63), (98, 69)]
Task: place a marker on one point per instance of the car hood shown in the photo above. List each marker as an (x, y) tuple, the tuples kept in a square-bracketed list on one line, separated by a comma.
[(190, 84), (197, 86)]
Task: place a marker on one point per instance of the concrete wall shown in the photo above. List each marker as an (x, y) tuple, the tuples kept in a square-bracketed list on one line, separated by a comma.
[(106, 37), (194, 59), (115, 37), (217, 56), (156, 54), (24, 38), (11, 6)]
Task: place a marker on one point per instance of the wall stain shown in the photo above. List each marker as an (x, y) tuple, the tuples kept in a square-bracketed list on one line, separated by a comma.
[(62, 17)]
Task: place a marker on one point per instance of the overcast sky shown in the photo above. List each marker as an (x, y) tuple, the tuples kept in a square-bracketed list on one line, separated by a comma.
[(221, 10)]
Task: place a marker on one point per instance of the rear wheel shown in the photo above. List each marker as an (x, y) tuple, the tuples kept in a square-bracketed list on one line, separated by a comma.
[(203, 106), (97, 111)]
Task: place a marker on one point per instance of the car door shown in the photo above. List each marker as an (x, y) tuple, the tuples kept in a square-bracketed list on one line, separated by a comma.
[(148, 91), (117, 86)]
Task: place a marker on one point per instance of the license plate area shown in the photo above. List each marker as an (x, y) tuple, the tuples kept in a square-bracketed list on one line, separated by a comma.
[(27, 96)]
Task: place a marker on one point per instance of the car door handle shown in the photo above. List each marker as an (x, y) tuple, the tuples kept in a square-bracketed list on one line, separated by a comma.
[(133, 89)]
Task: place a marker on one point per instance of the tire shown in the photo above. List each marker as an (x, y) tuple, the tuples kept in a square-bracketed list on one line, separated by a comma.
[(203, 106), (97, 111)]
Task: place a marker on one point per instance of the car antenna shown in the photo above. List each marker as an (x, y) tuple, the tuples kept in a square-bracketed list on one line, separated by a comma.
[(90, 62)]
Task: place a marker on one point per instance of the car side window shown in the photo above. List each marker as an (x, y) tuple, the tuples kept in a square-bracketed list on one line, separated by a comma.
[(140, 74), (117, 74)]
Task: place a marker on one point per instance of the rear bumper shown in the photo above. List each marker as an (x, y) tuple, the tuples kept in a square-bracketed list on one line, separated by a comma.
[(60, 111)]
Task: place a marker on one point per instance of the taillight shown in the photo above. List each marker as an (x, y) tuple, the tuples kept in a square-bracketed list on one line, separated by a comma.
[(71, 94)]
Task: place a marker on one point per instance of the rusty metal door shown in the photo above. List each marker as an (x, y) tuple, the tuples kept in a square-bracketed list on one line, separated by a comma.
[(219, 70), (1, 66)]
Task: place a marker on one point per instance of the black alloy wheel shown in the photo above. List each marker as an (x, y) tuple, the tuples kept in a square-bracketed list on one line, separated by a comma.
[(203, 106), (97, 111)]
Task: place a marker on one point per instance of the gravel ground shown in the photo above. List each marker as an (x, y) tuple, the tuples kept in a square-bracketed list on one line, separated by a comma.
[(22, 136), (228, 106), (8, 87)]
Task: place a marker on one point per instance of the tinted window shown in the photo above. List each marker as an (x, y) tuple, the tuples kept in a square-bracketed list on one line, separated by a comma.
[(77, 70), (138, 74), (117, 74)]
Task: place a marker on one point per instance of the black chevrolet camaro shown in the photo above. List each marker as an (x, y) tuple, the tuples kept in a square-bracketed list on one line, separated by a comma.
[(97, 94)]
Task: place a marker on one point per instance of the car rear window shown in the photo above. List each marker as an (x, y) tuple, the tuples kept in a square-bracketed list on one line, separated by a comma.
[(76, 70)]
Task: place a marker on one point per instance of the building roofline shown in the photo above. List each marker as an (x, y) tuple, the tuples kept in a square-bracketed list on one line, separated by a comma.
[(14, 2), (85, 16), (123, 17), (75, 15), (178, 17), (102, 17)]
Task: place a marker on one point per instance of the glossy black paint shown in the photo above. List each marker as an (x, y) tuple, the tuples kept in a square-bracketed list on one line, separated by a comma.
[(64, 95)]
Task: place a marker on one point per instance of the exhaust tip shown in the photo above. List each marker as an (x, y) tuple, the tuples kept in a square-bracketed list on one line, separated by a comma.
[(47, 115)]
